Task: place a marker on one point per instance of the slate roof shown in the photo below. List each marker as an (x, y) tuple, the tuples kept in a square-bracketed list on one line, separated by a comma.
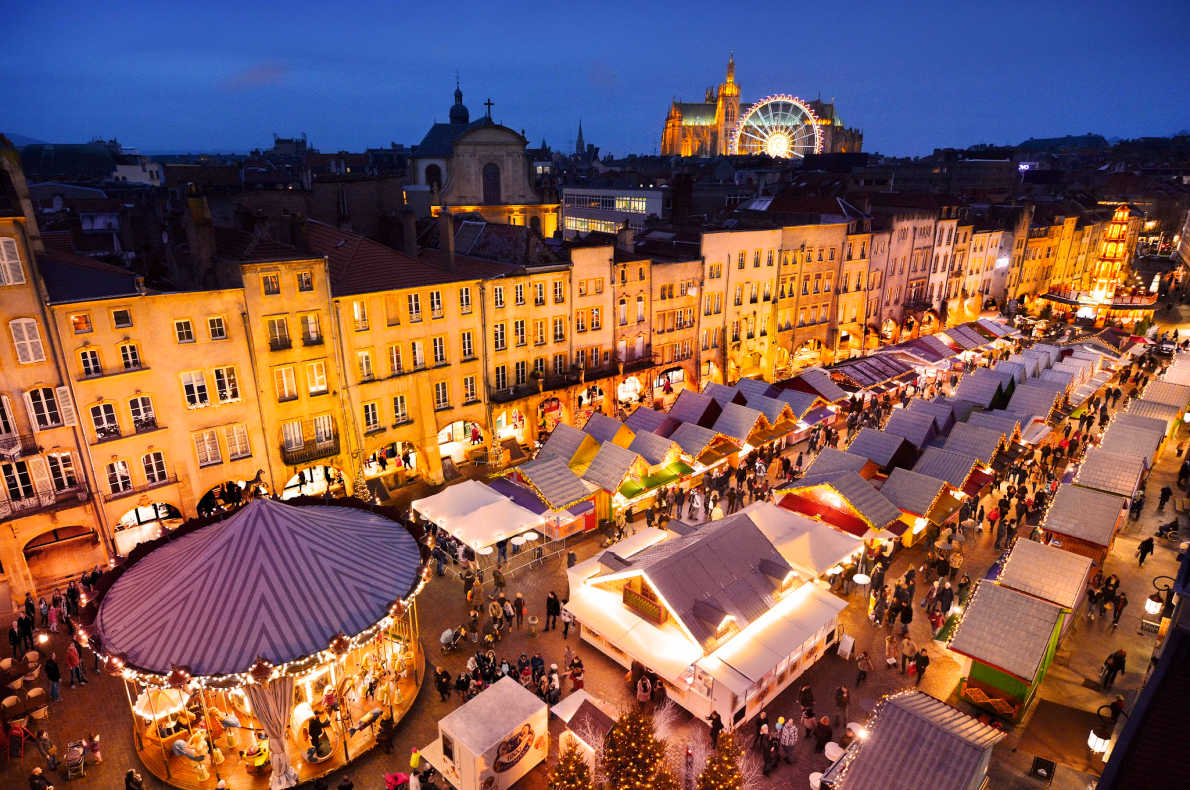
[(980, 387), (646, 420), (859, 493), (973, 440), (877, 445), (1148, 408), (831, 460), (712, 572), (995, 613), (564, 441), (1046, 572), (1169, 394), (1124, 439), (1017, 371), (1037, 398), (1108, 471), (602, 428), (69, 277), (912, 492), (942, 411), (774, 410), (919, 429), (558, 486), (998, 420), (949, 748), (819, 381), (695, 407), (652, 447), (1084, 514), (722, 394), (693, 438), (873, 369), (610, 466), (737, 421), (800, 402), (949, 465), (440, 139), (754, 387)]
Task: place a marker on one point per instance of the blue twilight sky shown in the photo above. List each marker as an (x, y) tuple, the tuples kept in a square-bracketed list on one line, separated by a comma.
[(169, 75)]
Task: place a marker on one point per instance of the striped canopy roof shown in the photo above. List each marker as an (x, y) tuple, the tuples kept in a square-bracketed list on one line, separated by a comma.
[(273, 580)]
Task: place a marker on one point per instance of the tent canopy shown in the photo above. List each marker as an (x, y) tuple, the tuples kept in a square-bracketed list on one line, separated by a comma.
[(272, 580), (476, 514)]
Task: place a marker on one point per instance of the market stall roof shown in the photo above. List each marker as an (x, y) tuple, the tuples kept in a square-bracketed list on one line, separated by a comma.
[(476, 514), (962, 408), (1053, 352), (1000, 420), (723, 394), (1132, 440), (1081, 369), (1084, 514), (554, 481), (981, 387), (870, 371), (602, 429), (913, 492), (271, 580), (831, 460), (646, 420), (997, 328), (949, 465), (1035, 398), (1150, 424), (1029, 363), (755, 387), (571, 445), (800, 402), (942, 411), (949, 748), (695, 407), (1179, 371), (1013, 369), (1148, 408), (1044, 360), (739, 422), (872, 506), (1110, 472), (1167, 393), (1063, 378), (811, 546), (653, 448), (582, 716), (881, 447), (916, 428), (819, 382), (983, 443), (693, 438), (1006, 629), (773, 410), (1046, 572), (966, 337), (486, 719), (527, 498), (612, 464)]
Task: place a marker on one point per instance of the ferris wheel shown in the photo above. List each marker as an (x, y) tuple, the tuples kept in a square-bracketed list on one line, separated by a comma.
[(781, 126)]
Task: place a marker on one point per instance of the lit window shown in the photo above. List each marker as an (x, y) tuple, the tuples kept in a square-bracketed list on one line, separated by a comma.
[(80, 323)]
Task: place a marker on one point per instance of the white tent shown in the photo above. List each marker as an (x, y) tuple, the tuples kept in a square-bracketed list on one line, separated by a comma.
[(476, 514), (809, 545)]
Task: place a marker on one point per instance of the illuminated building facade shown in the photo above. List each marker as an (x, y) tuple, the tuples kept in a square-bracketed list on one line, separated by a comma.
[(606, 210)]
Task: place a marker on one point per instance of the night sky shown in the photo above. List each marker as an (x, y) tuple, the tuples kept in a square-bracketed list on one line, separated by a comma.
[(219, 76)]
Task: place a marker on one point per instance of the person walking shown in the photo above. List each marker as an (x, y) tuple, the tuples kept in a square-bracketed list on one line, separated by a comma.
[(716, 728), (1166, 493), (787, 739), (1143, 550), (908, 651), (38, 782), (890, 651), (54, 675), (921, 662), (1118, 609), (1112, 666), (567, 622), (49, 751), (863, 666), (442, 683), (518, 607), (553, 608), (74, 665), (842, 701)]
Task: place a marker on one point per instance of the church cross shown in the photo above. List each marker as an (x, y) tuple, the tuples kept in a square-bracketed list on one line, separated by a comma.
[(489, 104)]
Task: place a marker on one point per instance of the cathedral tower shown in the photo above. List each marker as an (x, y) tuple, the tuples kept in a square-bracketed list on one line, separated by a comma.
[(727, 109)]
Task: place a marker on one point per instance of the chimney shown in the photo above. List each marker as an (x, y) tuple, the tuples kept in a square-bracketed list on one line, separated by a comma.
[(625, 239), (408, 232), (446, 238)]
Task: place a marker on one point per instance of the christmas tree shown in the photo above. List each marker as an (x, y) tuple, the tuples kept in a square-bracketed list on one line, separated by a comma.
[(632, 755), (571, 772), (723, 767)]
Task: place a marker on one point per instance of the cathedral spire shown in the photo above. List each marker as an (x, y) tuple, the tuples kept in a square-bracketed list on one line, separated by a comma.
[(731, 67), (580, 146)]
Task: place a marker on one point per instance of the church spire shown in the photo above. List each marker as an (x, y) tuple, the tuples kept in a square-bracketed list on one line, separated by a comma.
[(731, 67), (580, 146)]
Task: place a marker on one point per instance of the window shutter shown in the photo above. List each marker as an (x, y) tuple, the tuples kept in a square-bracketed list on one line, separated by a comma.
[(13, 274), (41, 479), (9, 418), (66, 406), (32, 413)]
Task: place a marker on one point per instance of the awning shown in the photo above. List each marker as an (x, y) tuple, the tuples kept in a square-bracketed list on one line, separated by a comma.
[(817, 415), (977, 481)]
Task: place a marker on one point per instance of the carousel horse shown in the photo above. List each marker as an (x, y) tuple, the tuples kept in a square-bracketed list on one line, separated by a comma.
[(366, 720)]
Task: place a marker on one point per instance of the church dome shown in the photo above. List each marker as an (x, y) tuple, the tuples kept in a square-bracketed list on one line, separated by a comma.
[(458, 112)]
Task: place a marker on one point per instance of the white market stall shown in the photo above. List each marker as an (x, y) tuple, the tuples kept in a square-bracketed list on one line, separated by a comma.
[(493, 740), (476, 514)]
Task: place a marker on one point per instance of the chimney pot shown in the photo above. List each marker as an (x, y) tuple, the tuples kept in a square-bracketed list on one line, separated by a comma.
[(446, 238), (408, 232)]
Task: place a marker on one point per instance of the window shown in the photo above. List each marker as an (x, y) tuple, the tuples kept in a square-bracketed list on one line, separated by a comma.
[(414, 307), (582, 287), (278, 334), (715, 271), (217, 328), (10, 263), (595, 322), (371, 417), (81, 323), (539, 294), (154, 464), (518, 332), (438, 348), (468, 347), (365, 365), (539, 332), (91, 366), (435, 304), (43, 408), (118, 479), (539, 366), (465, 300), (184, 331), (121, 319), (143, 418), (103, 417), (194, 386), (441, 395), (316, 376), (271, 283), (501, 377), (469, 389), (521, 372), (130, 356), (518, 291), (236, 437), (418, 353), (580, 358), (740, 260), (227, 387), (27, 339), (291, 435), (6, 418), (559, 364), (311, 331), (640, 309), (359, 312), (62, 471), (559, 294), (623, 312), (206, 446), (305, 281), (559, 330), (498, 340), (498, 296), (400, 410), (286, 384)]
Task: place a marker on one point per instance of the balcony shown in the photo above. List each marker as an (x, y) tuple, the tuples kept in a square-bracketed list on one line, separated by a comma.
[(512, 393), (75, 495), (169, 480), (145, 425), (106, 433), (279, 343), (312, 340), (918, 304), (310, 450), (14, 445), (361, 325)]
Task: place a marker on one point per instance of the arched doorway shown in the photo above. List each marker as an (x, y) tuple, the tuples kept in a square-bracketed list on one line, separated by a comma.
[(669, 383), (510, 424), (491, 183), (230, 494), (61, 552), (390, 467), (316, 480), (590, 400), (629, 392), (434, 177), (459, 442), (550, 413), (808, 354), (889, 331), (144, 522)]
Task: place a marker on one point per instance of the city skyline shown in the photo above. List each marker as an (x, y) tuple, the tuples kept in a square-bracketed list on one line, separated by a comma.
[(228, 81)]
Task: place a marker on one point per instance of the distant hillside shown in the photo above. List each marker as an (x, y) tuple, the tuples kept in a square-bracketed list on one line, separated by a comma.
[(20, 140)]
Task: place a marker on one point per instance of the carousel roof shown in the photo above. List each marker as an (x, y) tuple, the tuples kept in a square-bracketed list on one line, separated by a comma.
[(273, 581)]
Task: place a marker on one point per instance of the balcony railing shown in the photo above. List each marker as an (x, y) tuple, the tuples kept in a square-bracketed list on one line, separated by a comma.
[(312, 340), (165, 481), (145, 425), (279, 343), (310, 450), (17, 445), (74, 495), (105, 433)]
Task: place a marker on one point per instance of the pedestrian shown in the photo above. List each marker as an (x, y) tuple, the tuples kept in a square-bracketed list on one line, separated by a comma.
[(74, 665), (762, 729), (38, 782), (1143, 550), (771, 753), (891, 651), (498, 578), (518, 607), (54, 675), (822, 734), (842, 701), (553, 608), (908, 651), (716, 728), (442, 683), (1166, 493), (863, 666), (345, 783), (567, 621), (921, 662), (133, 780), (644, 690), (805, 696), (1118, 607), (49, 752), (787, 738), (1112, 666), (808, 721)]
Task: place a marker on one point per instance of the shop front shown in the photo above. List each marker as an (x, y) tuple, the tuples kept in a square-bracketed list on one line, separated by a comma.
[(550, 412), (316, 480), (142, 523), (629, 393)]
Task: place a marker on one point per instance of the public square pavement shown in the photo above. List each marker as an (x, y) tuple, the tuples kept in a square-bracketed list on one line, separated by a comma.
[(101, 706)]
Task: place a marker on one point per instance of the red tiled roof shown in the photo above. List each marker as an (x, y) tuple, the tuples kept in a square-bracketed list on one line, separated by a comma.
[(241, 245)]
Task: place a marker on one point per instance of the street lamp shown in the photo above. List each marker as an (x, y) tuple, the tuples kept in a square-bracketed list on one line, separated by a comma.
[(1099, 738)]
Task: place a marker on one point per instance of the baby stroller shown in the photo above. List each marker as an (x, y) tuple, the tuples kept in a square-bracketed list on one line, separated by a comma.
[(450, 638), (74, 760)]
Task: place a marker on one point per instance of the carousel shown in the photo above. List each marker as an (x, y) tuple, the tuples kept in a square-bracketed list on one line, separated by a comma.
[(269, 648)]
